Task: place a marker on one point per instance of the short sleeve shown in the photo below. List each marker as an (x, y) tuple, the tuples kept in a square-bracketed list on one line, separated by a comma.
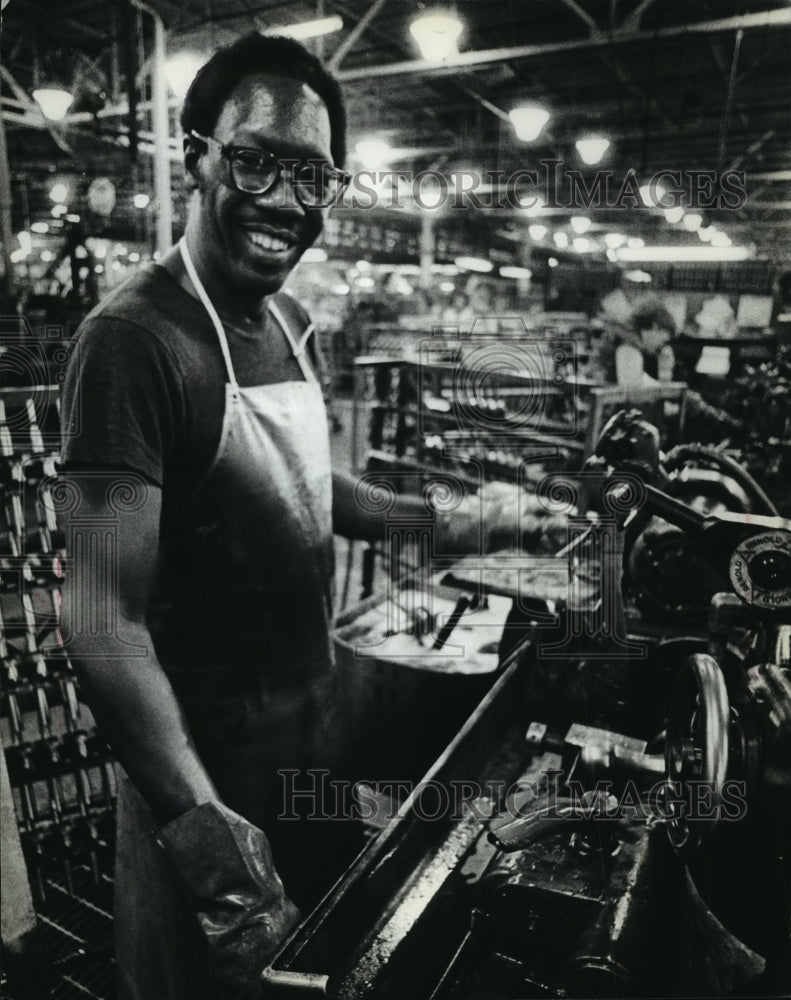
[(122, 399)]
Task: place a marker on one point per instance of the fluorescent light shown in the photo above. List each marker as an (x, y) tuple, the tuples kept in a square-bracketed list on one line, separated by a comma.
[(474, 264), (59, 192), (640, 277), (372, 153), (180, 70), (507, 271), (39, 227), (141, 200), (528, 120), (614, 240), (561, 240), (692, 221), (537, 231), (675, 214), (53, 101), (592, 148), (437, 35), (681, 254), (308, 29), (580, 224), (314, 255)]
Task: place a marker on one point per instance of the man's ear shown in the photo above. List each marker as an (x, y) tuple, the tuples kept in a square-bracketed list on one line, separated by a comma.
[(191, 158)]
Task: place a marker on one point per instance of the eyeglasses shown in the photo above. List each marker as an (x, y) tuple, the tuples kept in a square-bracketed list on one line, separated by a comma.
[(316, 183)]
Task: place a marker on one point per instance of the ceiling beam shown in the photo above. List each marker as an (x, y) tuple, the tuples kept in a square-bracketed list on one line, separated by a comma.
[(483, 57), (351, 39)]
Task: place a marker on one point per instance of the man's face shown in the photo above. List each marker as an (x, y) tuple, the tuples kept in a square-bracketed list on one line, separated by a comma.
[(254, 241), (654, 338)]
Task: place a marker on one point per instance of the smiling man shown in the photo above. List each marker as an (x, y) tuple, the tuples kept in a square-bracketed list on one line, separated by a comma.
[(194, 385)]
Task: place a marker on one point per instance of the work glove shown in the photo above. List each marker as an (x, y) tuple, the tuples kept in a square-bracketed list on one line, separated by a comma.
[(226, 866)]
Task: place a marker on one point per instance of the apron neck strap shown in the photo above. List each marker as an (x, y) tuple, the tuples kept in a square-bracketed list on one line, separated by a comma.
[(297, 346), (213, 316)]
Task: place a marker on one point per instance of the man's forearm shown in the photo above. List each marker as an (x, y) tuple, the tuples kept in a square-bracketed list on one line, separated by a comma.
[(139, 716)]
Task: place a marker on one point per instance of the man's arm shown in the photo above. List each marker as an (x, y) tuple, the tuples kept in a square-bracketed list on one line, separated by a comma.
[(130, 696)]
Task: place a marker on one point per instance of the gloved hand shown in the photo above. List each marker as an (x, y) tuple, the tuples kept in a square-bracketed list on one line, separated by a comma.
[(226, 865)]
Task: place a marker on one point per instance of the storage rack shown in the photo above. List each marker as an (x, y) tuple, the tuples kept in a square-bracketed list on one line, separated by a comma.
[(62, 777)]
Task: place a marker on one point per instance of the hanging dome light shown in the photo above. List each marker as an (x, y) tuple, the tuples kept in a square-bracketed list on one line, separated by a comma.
[(614, 240), (692, 221), (580, 224), (372, 153), (53, 101), (675, 214), (437, 35), (528, 120), (705, 233), (561, 239), (141, 200), (592, 148), (537, 231)]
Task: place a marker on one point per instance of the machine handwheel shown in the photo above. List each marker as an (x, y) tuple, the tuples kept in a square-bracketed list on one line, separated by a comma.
[(696, 754)]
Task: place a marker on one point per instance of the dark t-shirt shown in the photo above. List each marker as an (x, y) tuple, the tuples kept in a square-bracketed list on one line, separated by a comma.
[(145, 387)]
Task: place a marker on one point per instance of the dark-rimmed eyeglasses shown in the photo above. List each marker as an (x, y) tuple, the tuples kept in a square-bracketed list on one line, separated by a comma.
[(316, 183)]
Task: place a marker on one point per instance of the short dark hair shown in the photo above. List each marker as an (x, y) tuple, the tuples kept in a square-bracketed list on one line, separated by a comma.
[(653, 314), (255, 53)]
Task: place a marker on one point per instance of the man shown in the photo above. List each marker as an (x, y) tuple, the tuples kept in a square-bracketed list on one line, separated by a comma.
[(193, 384), (194, 428)]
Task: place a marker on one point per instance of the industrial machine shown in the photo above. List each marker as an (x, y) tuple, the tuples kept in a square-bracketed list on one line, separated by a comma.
[(614, 819)]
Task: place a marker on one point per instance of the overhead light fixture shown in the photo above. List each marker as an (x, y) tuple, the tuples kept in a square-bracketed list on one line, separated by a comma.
[(39, 227), (446, 286), (612, 256), (652, 194), (718, 239), (372, 153), (47, 256), (25, 242), (532, 206), (134, 257), (582, 244), (580, 224), (308, 29), (474, 264), (675, 254), (180, 70), (73, 217), (53, 101), (638, 276), (365, 281), (592, 148), (58, 210), (314, 255), (342, 289), (635, 242), (141, 200), (675, 214), (59, 192), (507, 271), (437, 35), (561, 240), (705, 233), (614, 240), (552, 261), (692, 221), (528, 120), (537, 231)]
